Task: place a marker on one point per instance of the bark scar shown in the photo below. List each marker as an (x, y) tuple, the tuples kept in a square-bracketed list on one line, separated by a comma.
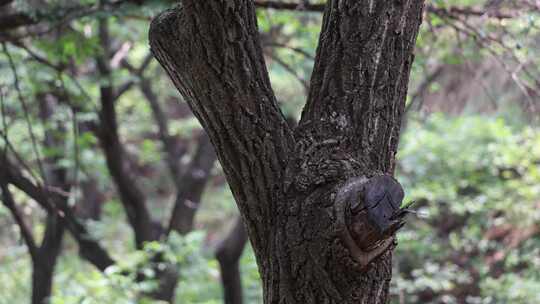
[(363, 258), (362, 237)]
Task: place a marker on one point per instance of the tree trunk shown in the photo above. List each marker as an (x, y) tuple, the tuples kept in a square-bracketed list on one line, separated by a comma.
[(190, 187), (45, 261), (320, 205), (42, 280), (228, 253), (92, 200)]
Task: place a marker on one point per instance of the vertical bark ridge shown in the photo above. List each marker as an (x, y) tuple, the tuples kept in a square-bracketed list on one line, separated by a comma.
[(360, 77)]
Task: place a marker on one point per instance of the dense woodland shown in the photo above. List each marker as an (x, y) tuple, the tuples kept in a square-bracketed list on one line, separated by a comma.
[(153, 151)]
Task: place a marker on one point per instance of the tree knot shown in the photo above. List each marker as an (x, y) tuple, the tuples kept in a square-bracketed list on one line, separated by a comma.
[(369, 215), (318, 161)]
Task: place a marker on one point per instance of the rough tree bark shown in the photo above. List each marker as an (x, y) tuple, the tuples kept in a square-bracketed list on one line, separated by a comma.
[(319, 202)]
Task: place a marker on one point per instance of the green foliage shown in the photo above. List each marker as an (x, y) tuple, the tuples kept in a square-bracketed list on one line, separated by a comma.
[(15, 275), (78, 283), (477, 184), (469, 175)]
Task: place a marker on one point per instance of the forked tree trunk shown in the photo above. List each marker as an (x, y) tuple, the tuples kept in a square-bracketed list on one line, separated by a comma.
[(320, 205)]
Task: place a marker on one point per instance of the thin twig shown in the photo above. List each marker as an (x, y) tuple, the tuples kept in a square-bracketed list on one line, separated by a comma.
[(26, 231), (292, 71), (294, 49), (26, 112)]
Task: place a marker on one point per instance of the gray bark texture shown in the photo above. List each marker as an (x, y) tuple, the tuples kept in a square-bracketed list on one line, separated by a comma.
[(318, 201)]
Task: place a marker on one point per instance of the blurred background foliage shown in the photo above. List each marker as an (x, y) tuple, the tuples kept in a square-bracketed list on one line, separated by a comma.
[(469, 156)]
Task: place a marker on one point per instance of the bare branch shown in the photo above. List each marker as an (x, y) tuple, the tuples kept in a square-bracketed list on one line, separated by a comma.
[(173, 152), (469, 12), (294, 49), (37, 57), (26, 232), (138, 72), (26, 111), (292, 71), (301, 7), (51, 201), (131, 195), (190, 186), (452, 10), (417, 98)]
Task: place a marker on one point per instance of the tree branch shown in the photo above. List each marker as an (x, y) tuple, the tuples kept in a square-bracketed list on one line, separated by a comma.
[(59, 15), (212, 52), (89, 248), (294, 49), (135, 71), (13, 21), (190, 186), (359, 81), (131, 196), (26, 232), (417, 99), (5, 2), (26, 111), (278, 5), (304, 83)]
